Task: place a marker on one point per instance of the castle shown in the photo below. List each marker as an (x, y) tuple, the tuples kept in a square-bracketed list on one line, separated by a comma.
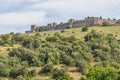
[(88, 21)]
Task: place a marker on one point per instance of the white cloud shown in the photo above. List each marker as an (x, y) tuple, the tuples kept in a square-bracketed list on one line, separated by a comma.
[(34, 0), (22, 18), (9, 3), (79, 7), (20, 21), (23, 13)]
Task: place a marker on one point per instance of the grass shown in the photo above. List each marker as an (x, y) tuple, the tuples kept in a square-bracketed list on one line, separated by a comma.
[(4, 50), (1, 78), (73, 72), (77, 32)]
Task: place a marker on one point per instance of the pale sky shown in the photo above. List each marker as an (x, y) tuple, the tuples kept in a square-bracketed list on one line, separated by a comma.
[(18, 15)]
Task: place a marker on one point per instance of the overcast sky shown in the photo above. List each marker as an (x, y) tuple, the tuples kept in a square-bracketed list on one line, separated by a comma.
[(18, 15)]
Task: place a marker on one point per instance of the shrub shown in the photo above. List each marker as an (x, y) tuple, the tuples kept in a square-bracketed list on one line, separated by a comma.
[(68, 27), (57, 34), (25, 55), (19, 71), (84, 29), (4, 70), (51, 39), (61, 75), (115, 65), (5, 39), (97, 59), (105, 24), (62, 31), (68, 60), (101, 73), (32, 73), (20, 78), (82, 66), (47, 68), (42, 29)]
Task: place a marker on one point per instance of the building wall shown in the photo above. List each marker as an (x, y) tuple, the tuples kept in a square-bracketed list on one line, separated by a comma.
[(118, 22), (61, 26), (100, 21), (28, 31), (86, 22), (48, 28)]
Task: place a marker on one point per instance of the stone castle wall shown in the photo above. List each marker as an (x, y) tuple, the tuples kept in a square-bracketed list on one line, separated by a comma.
[(62, 26), (88, 21)]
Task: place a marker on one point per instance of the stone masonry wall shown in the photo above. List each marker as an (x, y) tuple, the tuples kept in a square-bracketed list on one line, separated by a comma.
[(88, 21)]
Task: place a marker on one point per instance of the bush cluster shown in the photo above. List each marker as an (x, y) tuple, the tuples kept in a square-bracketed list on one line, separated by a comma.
[(57, 49)]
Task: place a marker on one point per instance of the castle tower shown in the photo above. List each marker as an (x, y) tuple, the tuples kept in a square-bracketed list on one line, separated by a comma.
[(61, 22), (54, 24), (48, 25), (114, 19), (100, 17), (33, 28), (71, 21), (108, 18)]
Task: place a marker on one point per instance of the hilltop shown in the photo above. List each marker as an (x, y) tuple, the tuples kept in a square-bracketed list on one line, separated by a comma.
[(84, 53), (72, 23), (77, 32)]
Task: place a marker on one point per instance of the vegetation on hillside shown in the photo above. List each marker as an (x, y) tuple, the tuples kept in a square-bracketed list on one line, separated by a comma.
[(71, 51)]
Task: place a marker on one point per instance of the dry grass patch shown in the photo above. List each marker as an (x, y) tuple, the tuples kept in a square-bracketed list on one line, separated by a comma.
[(73, 72), (4, 50), (41, 78)]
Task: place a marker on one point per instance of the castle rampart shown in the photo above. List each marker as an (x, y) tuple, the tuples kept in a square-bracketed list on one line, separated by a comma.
[(88, 21)]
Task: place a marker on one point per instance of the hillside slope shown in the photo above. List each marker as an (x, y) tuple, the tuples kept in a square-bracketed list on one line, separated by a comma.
[(69, 54)]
